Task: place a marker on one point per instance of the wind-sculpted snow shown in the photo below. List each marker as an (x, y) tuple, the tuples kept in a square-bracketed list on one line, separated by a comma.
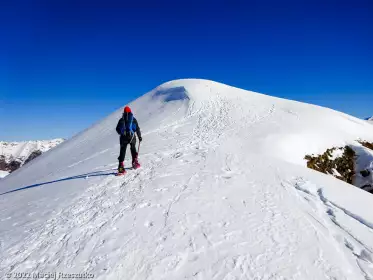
[(223, 193)]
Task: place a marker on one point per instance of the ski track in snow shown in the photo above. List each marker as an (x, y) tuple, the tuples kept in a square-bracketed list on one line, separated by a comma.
[(197, 209), (343, 238)]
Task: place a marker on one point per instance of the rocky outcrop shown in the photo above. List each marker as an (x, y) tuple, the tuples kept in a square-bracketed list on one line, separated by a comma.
[(351, 164), (33, 155), (341, 167), (10, 165)]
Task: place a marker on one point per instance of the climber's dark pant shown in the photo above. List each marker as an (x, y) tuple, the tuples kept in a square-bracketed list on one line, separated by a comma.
[(123, 148)]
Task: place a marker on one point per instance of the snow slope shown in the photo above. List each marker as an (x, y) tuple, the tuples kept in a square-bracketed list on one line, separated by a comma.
[(364, 163), (223, 193), (3, 173)]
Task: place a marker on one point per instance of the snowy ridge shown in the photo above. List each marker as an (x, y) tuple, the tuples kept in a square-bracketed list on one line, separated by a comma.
[(223, 193)]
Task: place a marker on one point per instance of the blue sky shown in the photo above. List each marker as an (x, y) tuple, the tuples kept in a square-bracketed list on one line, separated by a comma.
[(67, 64)]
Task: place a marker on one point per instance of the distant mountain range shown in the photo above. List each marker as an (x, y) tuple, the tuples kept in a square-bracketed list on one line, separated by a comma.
[(15, 154)]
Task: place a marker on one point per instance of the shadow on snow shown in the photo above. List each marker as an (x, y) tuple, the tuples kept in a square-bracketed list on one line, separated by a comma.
[(81, 176)]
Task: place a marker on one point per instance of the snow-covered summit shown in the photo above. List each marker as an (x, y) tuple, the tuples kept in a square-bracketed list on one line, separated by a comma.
[(223, 193)]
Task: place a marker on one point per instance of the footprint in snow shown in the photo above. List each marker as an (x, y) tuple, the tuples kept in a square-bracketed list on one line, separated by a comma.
[(148, 224), (145, 204), (177, 155)]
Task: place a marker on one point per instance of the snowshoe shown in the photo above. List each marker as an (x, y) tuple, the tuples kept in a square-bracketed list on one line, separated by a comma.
[(121, 170), (120, 173), (135, 164)]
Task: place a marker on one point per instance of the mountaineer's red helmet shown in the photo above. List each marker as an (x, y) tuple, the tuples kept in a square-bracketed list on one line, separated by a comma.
[(127, 109)]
